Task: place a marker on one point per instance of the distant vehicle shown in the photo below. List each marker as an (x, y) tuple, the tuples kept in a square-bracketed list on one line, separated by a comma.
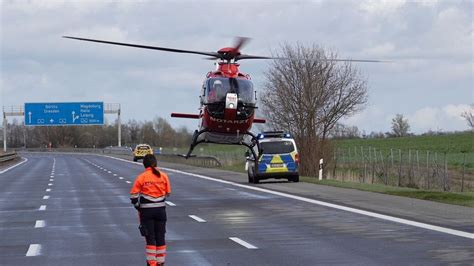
[(279, 158), (141, 150)]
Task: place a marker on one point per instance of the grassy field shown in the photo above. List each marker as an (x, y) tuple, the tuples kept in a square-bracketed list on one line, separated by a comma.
[(463, 199), (447, 143), (454, 146)]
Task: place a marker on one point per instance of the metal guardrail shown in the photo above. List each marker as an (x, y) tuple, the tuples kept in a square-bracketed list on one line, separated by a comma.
[(204, 161), (8, 156)]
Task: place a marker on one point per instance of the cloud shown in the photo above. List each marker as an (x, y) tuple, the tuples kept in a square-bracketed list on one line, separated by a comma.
[(429, 42), (445, 118)]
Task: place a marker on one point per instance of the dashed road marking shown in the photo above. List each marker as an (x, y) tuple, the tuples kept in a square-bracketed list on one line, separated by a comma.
[(326, 204), (51, 180), (46, 197), (34, 250), (120, 177), (40, 223), (198, 219), (170, 203), (243, 243), (48, 190), (50, 184), (42, 208), (115, 174), (128, 182)]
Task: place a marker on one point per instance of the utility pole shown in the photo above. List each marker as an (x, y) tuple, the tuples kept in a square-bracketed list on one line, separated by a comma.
[(114, 108)]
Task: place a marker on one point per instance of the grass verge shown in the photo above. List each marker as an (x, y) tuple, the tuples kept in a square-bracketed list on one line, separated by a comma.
[(456, 198)]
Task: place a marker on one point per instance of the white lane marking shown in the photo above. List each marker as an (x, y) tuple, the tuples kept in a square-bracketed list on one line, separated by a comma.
[(46, 197), (243, 243), (13, 166), (51, 176), (42, 208), (322, 203), (115, 174), (51, 179), (48, 190), (109, 172), (170, 203), (34, 250), (50, 184), (40, 223), (120, 177), (128, 182), (198, 219)]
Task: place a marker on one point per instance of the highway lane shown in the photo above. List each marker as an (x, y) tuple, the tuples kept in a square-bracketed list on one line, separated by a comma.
[(87, 220)]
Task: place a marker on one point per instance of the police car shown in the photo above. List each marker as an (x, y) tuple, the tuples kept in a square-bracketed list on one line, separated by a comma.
[(141, 150), (279, 158)]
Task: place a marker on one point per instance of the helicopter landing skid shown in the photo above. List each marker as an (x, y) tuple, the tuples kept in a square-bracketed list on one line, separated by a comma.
[(198, 138)]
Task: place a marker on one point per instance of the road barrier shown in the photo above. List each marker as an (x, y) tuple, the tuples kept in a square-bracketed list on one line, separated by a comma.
[(203, 161), (5, 157)]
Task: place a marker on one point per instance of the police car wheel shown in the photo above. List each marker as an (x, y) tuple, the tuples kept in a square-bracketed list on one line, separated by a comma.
[(295, 179)]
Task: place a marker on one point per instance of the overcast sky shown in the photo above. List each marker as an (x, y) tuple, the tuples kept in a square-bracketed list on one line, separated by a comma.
[(431, 79)]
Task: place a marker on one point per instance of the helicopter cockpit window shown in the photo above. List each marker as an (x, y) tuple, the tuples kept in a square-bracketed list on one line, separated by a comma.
[(245, 91), (217, 89)]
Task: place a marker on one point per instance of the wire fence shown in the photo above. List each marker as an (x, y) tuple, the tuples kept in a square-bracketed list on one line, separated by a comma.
[(407, 168)]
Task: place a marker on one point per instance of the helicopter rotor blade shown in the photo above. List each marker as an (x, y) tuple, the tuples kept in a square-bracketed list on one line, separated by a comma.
[(240, 42), (212, 54), (244, 56)]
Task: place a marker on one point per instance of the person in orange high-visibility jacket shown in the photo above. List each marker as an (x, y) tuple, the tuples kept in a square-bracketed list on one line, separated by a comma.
[(148, 195)]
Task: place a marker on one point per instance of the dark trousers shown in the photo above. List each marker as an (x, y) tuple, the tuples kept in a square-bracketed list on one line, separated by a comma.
[(154, 222)]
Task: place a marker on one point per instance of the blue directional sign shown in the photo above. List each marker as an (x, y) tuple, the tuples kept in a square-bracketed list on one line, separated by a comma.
[(64, 114)]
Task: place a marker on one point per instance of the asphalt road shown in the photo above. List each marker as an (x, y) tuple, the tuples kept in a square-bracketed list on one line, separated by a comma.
[(60, 209)]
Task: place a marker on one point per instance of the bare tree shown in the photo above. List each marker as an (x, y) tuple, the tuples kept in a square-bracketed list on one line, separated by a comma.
[(469, 116), (308, 95), (400, 126)]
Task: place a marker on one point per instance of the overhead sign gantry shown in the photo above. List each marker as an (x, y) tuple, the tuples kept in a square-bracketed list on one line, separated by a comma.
[(64, 114)]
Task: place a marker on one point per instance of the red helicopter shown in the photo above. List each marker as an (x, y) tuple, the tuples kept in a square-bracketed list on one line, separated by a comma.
[(228, 98)]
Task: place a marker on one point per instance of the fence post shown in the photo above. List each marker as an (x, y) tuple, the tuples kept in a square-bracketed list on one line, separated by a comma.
[(417, 166), (384, 168), (428, 169), (374, 164), (365, 165), (400, 168), (445, 183), (463, 170), (410, 181)]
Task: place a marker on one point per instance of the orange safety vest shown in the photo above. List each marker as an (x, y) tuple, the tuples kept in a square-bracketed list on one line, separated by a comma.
[(150, 190)]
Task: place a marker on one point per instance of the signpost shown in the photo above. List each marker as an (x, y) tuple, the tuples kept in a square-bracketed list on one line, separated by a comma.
[(64, 114)]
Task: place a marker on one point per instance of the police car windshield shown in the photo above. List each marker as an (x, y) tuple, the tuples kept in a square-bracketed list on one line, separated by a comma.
[(277, 147), (217, 89), (143, 148)]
